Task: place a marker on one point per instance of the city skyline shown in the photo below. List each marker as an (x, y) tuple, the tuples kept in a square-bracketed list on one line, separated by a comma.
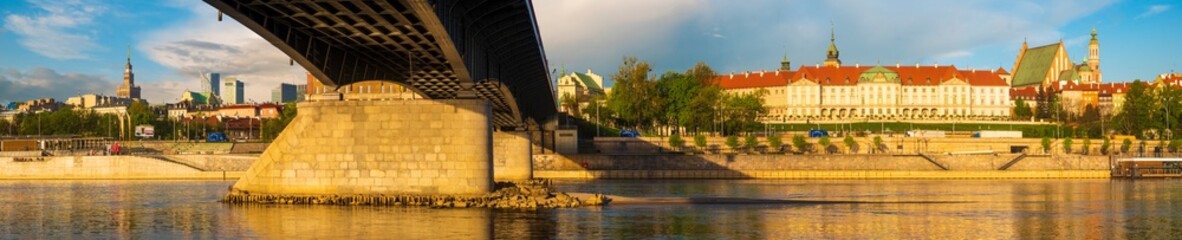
[(81, 43)]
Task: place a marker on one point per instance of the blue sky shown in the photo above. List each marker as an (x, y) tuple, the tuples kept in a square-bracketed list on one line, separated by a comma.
[(57, 48)]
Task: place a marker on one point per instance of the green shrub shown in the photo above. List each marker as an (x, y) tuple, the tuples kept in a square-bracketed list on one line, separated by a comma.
[(878, 143), (850, 143), (800, 143), (1067, 145), (1125, 145), (733, 142), (1104, 146), (750, 142), (1087, 145), (1175, 144), (700, 141), (1046, 144), (774, 142), (675, 141), (824, 142)]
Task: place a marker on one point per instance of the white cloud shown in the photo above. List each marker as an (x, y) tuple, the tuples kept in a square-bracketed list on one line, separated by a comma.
[(206, 45), (58, 31), (758, 32), (600, 32), (1154, 10), (39, 82)]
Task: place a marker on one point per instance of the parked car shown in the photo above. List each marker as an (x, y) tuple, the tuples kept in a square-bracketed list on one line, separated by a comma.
[(217, 137), (629, 133), (816, 133)]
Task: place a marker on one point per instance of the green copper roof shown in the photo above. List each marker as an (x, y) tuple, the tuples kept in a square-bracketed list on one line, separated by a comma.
[(1034, 65), (588, 82), (1069, 75), (872, 75), (198, 97)]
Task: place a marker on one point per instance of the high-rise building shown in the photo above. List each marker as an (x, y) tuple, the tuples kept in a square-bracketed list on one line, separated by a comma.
[(234, 91), (128, 89), (287, 92), (215, 80)]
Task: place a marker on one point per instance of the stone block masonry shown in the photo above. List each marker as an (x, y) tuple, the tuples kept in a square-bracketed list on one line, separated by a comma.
[(512, 159), (397, 147)]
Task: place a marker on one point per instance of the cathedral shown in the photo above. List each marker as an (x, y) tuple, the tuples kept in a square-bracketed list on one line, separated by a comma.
[(1049, 66)]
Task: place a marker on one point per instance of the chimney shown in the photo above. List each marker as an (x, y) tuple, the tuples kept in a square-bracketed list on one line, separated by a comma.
[(896, 65), (857, 65), (760, 73)]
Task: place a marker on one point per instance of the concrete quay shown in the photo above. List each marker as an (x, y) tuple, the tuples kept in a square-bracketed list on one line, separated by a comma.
[(818, 167), (157, 167)]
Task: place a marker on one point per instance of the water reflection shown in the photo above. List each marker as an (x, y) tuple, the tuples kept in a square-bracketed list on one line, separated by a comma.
[(1071, 209)]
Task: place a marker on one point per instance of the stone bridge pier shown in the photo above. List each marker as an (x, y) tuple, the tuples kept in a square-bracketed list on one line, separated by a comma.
[(393, 147)]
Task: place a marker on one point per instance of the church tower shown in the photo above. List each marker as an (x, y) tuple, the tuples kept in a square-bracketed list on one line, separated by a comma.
[(1094, 56), (128, 89), (831, 59), (785, 65)]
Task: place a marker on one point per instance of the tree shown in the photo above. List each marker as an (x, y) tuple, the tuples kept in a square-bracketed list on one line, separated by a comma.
[(1104, 146), (774, 142), (741, 111), (675, 142), (732, 141), (1125, 145), (632, 98), (700, 141), (751, 142), (1175, 144), (1087, 145), (272, 128), (570, 104), (851, 143), (824, 142), (800, 143), (1022, 110), (1135, 109), (1046, 144), (1067, 145), (878, 143)]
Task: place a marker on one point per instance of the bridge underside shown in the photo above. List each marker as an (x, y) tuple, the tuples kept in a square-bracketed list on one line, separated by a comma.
[(487, 49)]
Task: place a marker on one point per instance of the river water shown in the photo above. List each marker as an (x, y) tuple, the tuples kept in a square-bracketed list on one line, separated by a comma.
[(983, 209)]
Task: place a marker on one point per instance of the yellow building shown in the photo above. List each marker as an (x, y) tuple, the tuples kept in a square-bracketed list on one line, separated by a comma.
[(837, 92)]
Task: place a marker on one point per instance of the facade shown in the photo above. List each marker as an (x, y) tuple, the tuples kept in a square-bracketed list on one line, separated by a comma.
[(287, 92), (88, 101), (239, 111), (371, 89), (215, 81), (128, 89), (1050, 65), (841, 92), (232, 91), (579, 87)]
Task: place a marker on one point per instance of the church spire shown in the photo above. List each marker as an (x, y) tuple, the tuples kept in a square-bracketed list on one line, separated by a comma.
[(832, 54), (785, 65)]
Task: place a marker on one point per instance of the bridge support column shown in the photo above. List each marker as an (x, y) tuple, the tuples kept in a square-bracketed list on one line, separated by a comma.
[(512, 159), (397, 147)]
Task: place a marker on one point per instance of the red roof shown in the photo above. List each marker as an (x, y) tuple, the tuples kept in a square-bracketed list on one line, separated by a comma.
[(983, 78), (1002, 71), (831, 76), (753, 79), (919, 75), (1023, 93)]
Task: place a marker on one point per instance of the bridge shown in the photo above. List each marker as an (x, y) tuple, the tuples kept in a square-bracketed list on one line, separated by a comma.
[(480, 64)]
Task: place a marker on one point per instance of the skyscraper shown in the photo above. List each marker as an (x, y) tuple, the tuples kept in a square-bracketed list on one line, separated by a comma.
[(128, 89), (234, 91), (286, 92), (215, 80)]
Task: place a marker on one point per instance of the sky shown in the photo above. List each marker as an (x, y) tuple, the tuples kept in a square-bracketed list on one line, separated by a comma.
[(61, 48)]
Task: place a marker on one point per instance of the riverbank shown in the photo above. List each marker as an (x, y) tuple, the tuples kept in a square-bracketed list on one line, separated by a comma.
[(820, 167), (153, 167)]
